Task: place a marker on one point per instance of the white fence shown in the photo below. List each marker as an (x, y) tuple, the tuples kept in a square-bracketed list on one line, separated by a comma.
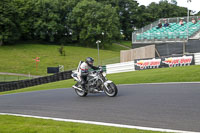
[(197, 58), (120, 67), (130, 66)]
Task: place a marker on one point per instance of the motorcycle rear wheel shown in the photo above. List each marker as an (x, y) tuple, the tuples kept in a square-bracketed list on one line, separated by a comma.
[(80, 93), (112, 92)]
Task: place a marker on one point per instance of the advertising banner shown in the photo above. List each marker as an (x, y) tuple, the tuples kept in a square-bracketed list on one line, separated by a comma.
[(170, 61), (147, 64), (178, 61)]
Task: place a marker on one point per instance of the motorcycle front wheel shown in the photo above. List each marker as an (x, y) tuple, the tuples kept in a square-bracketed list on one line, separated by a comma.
[(80, 93), (112, 90)]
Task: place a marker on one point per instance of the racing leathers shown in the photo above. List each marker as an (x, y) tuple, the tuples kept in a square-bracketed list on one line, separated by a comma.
[(83, 72)]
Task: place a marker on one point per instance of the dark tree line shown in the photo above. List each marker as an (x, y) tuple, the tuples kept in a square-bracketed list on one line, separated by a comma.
[(81, 21)]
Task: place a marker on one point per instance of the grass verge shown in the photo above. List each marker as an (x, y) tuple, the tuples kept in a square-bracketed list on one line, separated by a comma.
[(177, 74), (19, 58), (15, 124)]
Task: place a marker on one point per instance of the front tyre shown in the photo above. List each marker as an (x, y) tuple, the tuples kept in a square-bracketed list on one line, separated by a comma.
[(80, 93), (111, 90)]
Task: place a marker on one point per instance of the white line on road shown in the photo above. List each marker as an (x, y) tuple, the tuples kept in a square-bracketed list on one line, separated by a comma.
[(101, 123), (165, 83)]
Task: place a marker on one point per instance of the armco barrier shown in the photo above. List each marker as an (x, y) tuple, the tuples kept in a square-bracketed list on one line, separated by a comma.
[(36, 81), (7, 82), (120, 67), (197, 58)]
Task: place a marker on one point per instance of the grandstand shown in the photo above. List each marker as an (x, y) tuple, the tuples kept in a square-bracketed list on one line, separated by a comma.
[(174, 39), (173, 33)]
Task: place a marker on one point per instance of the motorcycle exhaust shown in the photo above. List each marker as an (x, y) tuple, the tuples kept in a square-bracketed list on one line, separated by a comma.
[(95, 91), (77, 88)]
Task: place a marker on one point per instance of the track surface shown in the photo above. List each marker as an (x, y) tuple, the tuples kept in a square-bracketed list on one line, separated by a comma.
[(169, 106)]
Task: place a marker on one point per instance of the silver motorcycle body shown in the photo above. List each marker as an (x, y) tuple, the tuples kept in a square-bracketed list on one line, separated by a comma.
[(96, 83)]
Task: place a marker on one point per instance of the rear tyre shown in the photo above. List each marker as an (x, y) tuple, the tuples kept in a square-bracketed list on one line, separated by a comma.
[(112, 90), (80, 93)]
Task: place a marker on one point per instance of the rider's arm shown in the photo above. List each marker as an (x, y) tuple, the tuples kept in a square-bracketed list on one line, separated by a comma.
[(94, 67)]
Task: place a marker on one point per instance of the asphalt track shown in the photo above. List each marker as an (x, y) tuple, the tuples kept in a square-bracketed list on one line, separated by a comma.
[(170, 106)]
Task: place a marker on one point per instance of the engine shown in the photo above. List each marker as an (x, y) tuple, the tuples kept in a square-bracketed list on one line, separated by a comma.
[(94, 84)]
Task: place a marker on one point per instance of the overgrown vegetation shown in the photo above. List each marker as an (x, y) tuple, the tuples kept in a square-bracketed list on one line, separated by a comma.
[(61, 50), (80, 21)]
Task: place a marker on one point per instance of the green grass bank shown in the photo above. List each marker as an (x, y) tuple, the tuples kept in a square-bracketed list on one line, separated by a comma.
[(19, 58), (15, 124)]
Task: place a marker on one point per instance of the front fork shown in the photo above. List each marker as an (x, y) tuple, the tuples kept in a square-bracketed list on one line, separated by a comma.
[(106, 84)]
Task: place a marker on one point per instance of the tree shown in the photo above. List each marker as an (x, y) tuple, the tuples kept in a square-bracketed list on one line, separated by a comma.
[(198, 14), (9, 24), (82, 21), (170, 10), (154, 11), (90, 19), (143, 17), (46, 19), (127, 11), (163, 9), (26, 17)]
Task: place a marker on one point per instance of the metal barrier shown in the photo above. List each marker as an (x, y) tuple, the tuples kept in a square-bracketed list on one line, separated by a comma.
[(36, 81), (120, 67), (197, 58)]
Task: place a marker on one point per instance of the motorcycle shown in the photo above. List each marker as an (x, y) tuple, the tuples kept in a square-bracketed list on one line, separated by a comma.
[(96, 83)]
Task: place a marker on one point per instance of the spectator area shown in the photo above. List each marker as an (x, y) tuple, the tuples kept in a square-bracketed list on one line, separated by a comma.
[(174, 31)]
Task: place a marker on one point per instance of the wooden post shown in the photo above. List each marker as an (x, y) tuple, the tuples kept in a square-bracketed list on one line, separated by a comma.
[(37, 59)]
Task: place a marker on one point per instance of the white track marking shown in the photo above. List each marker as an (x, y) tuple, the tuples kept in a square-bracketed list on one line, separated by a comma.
[(161, 83), (101, 123)]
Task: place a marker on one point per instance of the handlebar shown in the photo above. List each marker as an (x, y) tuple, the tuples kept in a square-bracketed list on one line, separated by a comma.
[(96, 71)]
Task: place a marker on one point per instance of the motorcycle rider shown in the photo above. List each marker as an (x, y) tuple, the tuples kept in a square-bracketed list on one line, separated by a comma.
[(83, 70)]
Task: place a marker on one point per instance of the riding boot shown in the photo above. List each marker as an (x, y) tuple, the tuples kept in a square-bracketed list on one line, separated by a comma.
[(83, 87), (83, 82)]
